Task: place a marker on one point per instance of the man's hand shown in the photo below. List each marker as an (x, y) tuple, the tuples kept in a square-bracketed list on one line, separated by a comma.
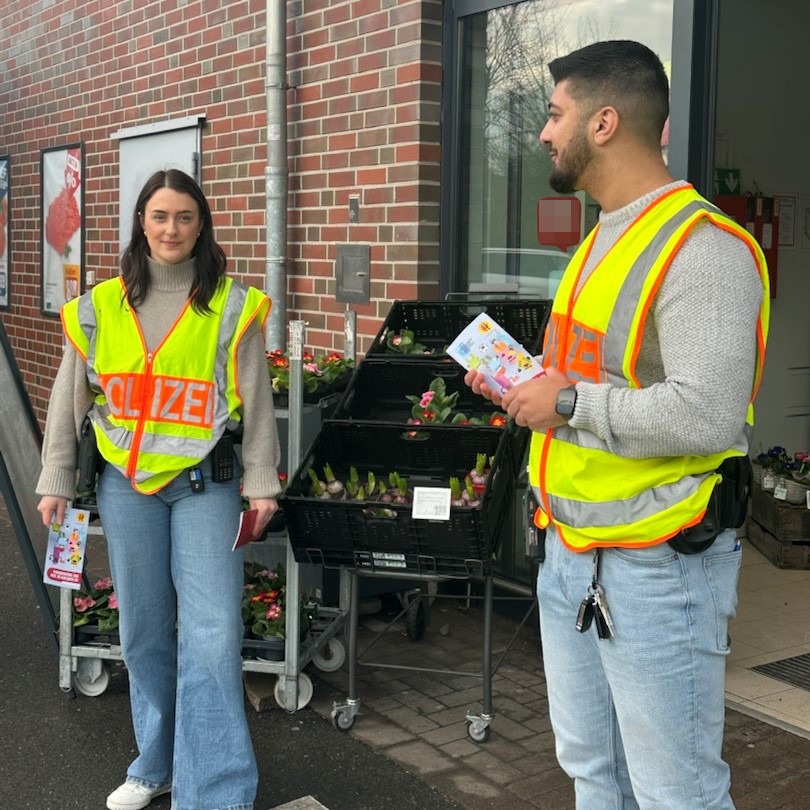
[(475, 380), (533, 403), (266, 508)]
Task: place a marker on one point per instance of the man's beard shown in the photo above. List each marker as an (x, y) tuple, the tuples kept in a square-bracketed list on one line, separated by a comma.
[(571, 164)]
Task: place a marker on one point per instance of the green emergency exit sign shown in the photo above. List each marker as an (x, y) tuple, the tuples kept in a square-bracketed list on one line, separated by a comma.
[(727, 181)]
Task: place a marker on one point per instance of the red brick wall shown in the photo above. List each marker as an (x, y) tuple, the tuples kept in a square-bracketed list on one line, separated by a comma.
[(364, 122), (364, 113)]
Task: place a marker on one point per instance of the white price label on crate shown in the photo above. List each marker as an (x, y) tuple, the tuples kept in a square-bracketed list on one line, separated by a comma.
[(431, 503), (780, 493)]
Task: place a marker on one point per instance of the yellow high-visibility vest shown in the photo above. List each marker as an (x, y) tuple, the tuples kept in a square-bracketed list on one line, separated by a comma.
[(158, 413), (594, 497)]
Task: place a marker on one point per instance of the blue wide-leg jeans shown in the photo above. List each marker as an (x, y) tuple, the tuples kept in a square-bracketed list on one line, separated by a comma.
[(179, 589), (638, 719)]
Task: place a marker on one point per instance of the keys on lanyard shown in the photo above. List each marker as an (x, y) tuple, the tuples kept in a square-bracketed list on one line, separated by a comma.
[(594, 607)]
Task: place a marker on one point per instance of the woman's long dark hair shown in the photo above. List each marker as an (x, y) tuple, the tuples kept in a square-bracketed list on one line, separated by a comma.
[(210, 257)]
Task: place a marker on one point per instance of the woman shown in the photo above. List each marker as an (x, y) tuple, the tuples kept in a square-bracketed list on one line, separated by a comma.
[(153, 357)]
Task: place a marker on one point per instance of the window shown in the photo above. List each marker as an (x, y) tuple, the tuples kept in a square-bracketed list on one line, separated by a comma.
[(499, 168)]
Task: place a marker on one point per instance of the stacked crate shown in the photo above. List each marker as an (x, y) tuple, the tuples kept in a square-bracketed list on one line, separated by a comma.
[(369, 430)]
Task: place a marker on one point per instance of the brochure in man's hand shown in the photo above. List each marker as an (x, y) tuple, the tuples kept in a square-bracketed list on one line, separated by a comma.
[(484, 345)]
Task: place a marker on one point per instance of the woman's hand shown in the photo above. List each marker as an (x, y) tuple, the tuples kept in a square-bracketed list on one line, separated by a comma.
[(52, 509), (266, 508)]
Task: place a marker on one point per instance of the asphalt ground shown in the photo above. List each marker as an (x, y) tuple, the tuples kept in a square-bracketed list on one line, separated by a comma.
[(67, 753), (409, 748)]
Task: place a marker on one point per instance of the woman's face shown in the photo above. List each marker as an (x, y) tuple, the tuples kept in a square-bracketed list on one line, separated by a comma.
[(171, 224)]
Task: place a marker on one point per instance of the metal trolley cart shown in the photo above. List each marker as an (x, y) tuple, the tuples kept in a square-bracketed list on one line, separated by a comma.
[(478, 725), (384, 539), (86, 665), (369, 431)]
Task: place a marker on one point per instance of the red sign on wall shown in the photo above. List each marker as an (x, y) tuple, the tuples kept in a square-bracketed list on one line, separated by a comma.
[(558, 221)]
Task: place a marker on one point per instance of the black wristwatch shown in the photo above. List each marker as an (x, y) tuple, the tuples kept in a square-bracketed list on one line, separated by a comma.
[(566, 401)]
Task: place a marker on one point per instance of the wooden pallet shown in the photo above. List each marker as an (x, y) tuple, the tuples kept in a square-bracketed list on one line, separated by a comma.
[(794, 554), (784, 521)]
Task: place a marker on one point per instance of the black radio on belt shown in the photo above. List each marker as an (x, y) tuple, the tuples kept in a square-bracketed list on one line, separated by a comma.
[(222, 459)]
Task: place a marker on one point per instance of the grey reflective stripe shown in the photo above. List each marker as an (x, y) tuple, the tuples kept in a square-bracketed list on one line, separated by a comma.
[(87, 323), (623, 512), (620, 513), (181, 446), (621, 319), (234, 304)]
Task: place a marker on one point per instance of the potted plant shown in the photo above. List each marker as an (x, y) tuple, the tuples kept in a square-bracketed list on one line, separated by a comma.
[(436, 406), (264, 610), (773, 463), (95, 610), (323, 374)]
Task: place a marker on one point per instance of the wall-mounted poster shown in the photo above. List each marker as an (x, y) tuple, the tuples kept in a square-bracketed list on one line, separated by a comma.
[(62, 242), (5, 231)]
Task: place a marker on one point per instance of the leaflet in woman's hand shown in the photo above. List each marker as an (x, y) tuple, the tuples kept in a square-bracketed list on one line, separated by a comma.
[(485, 346)]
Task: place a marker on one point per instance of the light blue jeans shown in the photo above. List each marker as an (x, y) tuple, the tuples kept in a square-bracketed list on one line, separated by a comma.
[(179, 588), (638, 719)]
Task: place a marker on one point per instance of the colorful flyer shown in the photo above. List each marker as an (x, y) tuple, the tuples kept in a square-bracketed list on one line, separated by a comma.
[(64, 559), (488, 348)]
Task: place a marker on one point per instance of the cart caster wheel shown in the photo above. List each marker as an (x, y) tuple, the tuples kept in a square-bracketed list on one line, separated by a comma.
[(477, 733), (305, 691), (91, 681), (342, 721), (331, 657), (416, 618)]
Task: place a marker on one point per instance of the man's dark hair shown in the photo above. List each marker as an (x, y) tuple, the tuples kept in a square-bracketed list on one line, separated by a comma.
[(622, 74), (210, 263)]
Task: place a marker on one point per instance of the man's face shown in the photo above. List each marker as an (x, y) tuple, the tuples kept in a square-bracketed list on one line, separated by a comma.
[(565, 136)]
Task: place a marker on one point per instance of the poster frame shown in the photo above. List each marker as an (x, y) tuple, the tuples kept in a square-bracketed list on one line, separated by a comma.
[(52, 158), (5, 254)]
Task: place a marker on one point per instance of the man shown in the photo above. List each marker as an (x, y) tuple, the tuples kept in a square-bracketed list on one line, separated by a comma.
[(653, 355)]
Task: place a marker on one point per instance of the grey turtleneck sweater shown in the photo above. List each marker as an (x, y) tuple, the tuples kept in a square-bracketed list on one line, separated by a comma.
[(71, 397), (698, 351)]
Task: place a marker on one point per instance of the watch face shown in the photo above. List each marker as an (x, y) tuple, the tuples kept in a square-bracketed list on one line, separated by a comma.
[(566, 400)]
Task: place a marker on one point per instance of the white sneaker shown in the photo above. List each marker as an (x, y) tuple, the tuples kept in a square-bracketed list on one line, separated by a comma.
[(133, 796)]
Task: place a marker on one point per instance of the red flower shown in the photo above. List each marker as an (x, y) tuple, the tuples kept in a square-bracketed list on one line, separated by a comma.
[(497, 420)]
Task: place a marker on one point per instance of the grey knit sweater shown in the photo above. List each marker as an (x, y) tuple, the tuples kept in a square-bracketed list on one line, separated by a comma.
[(71, 397), (697, 358)]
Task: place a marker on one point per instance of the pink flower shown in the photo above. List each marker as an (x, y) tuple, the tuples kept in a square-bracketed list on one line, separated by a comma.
[(83, 604), (427, 398), (113, 601), (102, 584), (273, 612)]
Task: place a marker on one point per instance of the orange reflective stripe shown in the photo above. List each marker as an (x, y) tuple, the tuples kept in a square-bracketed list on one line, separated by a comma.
[(182, 401), (124, 393), (172, 400), (585, 354)]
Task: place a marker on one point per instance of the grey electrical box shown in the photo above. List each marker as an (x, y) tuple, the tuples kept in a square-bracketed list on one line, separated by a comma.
[(353, 274)]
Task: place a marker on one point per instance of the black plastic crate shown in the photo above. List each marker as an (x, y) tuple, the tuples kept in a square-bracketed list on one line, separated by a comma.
[(378, 391), (359, 534), (436, 324)]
